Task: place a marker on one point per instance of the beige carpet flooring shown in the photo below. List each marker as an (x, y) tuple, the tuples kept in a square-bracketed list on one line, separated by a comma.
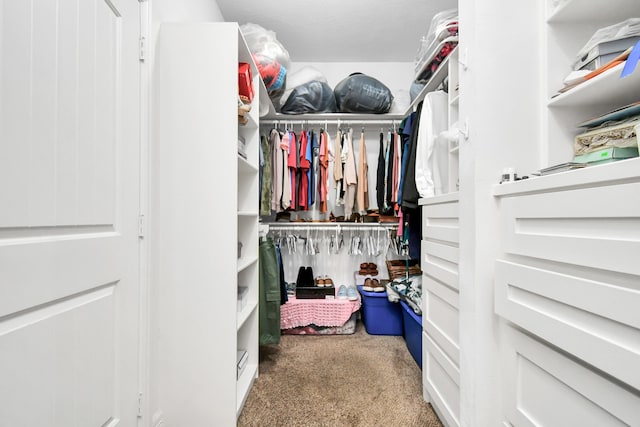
[(340, 380)]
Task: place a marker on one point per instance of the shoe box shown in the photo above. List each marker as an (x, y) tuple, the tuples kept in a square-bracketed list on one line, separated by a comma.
[(315, 292)]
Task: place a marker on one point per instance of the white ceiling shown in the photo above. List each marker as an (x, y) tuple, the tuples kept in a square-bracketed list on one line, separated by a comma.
[(341, 30)]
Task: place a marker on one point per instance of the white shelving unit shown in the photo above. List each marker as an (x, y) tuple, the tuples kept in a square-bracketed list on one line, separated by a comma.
[(440, 282), (566, 280), (568, 27), (205, 202)]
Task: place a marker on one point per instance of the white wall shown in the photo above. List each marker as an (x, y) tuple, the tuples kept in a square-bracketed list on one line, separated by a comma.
[(183, 11)]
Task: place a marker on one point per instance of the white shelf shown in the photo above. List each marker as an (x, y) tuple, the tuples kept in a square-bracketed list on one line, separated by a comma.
[(602, 90), (246, 313), (570, 11), (245, 167), (243, 262), (454, 101), (443, 198), (436, 80), (244, 385), (247, 213), (251, 124), (342, 117), (605, 174)]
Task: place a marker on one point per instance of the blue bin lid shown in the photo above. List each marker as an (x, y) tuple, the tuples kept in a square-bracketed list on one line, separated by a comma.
[(372, 294)]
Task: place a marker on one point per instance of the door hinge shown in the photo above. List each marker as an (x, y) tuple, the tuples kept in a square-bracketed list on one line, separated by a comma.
[(139, 405), (143, 48), (141, 226)]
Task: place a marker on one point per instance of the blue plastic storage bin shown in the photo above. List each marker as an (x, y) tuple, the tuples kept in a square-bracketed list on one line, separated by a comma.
[(412, 332), (380, 317)]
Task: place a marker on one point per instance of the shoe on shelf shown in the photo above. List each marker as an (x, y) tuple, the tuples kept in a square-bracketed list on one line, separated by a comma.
[(342, 292), (327, 281), (352, 293), (320, 282), (376, 286), (368, 285), (300, 280), (308, 273)]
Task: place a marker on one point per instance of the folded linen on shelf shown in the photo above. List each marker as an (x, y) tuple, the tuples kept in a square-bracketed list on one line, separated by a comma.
[(622, 134)]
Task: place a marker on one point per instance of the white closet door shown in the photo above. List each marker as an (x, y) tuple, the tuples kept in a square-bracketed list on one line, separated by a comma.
[(69, 196)]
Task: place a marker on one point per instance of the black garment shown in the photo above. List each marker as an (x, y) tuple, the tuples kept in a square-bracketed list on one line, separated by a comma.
[(414, 224), (390, 173), (410, 193), (284, 297), (380, 176)]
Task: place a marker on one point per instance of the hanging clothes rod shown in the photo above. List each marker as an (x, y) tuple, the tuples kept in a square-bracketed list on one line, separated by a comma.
[(331, 121), (331, 226)]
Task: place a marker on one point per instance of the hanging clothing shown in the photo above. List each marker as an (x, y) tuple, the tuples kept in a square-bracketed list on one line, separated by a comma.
[(350, 175), (266, 176), (314, 148), (363, 177), (269, 295), (380, 176), (285, 199), (278, 158), (338, 167), (388, 174), (432, 148), (323, 160), (303, 167), (284, 297), (397, 161), (410, 194), (293, 163), (405, 136)]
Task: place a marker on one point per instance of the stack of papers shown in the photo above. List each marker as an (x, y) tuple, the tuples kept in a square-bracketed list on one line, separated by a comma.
[(562, 167)]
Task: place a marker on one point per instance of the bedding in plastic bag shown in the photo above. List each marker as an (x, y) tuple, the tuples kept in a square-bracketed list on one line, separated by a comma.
[(360, 93), (311, 97), (297, 78), (264, 42)]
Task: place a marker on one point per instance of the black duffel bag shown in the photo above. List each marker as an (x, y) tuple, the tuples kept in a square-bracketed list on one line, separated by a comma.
[(360, 93)]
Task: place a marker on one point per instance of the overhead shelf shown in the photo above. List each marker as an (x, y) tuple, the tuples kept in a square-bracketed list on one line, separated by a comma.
[(269, 115), (434, 82), (567, 11), (332, 117)]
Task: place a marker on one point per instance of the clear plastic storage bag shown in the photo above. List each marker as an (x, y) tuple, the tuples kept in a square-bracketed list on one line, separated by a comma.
[(264, 42)]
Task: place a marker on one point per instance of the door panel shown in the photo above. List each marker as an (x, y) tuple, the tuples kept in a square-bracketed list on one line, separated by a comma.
[(69, 185)]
